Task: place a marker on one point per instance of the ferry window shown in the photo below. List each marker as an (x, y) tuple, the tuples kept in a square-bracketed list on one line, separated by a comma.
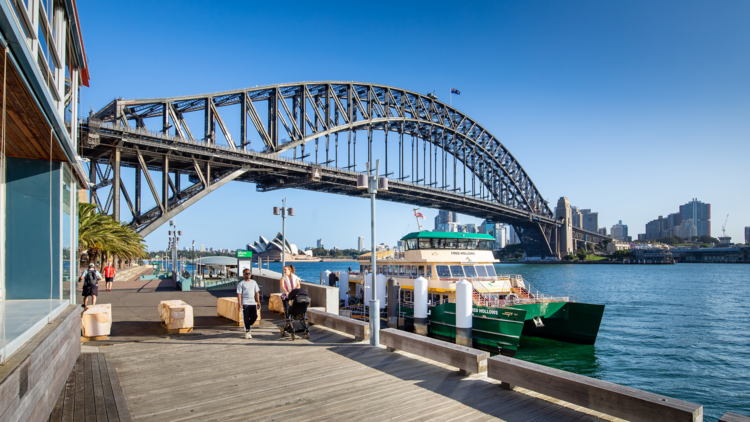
[(442, 271), (429, 271), (491, 271), (413, 270), (424, 244), (445, 298), (463, 244), (402, 270), (390, 270), (481, 271), (457, 271), (472, 244), (421, 271), (451, 244), (469, 270), (439, 243)]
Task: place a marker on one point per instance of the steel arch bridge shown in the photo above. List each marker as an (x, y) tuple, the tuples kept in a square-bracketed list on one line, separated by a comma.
[(454, 148)]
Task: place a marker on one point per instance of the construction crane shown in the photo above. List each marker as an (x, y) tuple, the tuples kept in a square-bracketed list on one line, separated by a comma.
[(724, 227)]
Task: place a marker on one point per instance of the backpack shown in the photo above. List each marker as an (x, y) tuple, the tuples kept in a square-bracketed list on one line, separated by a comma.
[(90, 278)]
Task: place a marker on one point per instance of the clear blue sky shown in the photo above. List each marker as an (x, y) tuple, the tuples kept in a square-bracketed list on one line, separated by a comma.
[(628, 108)]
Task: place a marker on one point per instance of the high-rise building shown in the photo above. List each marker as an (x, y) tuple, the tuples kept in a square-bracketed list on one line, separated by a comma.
[(603, 231), (700, 213), (360, 243), (203, 248), (471, 228), (747, 235), (590, 221), (619, 231), (320, 243), (577, 217), (443, 218), (513, 235), (656, 229)]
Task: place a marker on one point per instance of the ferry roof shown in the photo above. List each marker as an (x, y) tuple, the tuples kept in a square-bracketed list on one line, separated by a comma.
[(447, 235)]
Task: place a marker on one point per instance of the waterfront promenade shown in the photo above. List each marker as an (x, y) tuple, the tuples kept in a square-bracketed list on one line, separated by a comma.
[(215, 374)]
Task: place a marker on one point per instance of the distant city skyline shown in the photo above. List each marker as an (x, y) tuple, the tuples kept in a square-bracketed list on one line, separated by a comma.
[(561, 85)]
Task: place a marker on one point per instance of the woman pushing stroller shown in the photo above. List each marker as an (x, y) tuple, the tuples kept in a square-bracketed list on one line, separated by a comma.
[(289, 281)]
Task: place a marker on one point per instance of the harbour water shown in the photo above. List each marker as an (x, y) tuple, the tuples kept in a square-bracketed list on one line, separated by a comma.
[(678, 330)]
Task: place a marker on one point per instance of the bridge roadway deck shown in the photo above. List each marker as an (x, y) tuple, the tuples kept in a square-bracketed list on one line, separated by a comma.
[(216, 374)]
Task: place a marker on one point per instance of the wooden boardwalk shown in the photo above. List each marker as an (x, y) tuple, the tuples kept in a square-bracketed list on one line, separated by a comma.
[(92, 393), (218, 375)]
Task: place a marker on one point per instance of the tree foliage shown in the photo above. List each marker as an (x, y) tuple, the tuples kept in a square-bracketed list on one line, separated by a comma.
[(581, 254), (101, 236)]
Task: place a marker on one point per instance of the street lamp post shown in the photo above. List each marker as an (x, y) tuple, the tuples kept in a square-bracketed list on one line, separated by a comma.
[(283, 211), (192, 277), (173, 241), (373, 183)]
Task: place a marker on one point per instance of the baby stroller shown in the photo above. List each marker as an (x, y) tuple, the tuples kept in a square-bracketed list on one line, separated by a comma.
[(298, 303)]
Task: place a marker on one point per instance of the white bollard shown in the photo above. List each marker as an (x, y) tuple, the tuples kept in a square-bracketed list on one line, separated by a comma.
[(344, 285), (324, 281), (380, 287), (420, 306), (464, 313)]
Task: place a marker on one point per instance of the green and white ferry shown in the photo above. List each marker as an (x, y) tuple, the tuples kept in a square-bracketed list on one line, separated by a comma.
[(505, 307)]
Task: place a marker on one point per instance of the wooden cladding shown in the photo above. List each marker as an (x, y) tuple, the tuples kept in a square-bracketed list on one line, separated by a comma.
[(27, 134)]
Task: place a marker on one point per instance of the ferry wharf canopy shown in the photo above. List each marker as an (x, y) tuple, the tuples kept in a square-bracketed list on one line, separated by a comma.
[(304, 136), (43, 66)]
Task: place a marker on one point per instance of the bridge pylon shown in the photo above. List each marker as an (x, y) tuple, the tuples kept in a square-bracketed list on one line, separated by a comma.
[(564, 216)]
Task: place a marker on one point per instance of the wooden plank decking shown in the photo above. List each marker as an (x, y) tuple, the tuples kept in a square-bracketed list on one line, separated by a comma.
[(92, 393), (222, 376)]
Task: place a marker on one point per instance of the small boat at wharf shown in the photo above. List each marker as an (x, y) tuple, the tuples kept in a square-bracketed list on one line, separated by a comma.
[(505, 307)]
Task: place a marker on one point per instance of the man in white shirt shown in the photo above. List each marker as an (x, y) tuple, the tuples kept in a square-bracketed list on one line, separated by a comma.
[(248, 300)]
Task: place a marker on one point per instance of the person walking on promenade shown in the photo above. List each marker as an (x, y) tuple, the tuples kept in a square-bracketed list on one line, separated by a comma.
[(248, 300), (109, 275), (289, 281), (90, 280)]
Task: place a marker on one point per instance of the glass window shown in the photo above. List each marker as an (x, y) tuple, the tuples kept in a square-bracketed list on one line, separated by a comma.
[(425, 244), (457, 271), (481, 271), (469, 270), (67, 265), (445, 298), (420, 272), (451, 244), (390, 270), (491, 271), (462, 244), (440, 243), (442, 271), (402, 270), (429, 271)]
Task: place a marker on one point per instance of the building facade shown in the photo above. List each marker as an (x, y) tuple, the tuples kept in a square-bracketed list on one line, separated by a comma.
[(360, 243), (443, 220), (44, 65), (747, 235), (700, 213), (591, 221), (619, 231)]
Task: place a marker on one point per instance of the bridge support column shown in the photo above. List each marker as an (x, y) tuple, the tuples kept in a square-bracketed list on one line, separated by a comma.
[(563, 211), (165, 183), (116, 184)]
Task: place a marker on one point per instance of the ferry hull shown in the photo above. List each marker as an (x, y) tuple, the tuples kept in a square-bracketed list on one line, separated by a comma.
[(574, 323), (499, 330)]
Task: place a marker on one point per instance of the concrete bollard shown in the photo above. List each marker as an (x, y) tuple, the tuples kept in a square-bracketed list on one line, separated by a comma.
[(420, 306), (393, 291), (464, 313), (344, 285)]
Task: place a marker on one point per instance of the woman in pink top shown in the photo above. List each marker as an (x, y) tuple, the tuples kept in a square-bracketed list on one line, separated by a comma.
[(289, 281)]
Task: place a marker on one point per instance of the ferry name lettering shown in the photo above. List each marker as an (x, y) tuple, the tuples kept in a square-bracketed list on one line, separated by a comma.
[(485, 311), (463, 253)]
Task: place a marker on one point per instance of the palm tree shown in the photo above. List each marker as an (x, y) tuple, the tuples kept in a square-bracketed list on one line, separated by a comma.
[(99, 235)]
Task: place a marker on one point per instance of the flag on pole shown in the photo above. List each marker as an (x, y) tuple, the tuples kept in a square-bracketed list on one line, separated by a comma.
[(419, 215), (455, 91)]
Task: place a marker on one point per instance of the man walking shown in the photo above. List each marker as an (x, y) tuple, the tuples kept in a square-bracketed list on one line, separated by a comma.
[(248, 300), (109, 275), (90, 280)]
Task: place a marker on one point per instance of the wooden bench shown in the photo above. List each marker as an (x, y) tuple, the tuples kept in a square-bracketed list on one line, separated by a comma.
[(734, 417), (468, 360), (360, 330), (612, 399)]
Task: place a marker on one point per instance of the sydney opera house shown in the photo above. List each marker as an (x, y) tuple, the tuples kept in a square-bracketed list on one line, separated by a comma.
[(264, 249)]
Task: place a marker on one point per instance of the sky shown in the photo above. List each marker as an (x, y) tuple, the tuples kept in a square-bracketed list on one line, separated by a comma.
[(630, 109)]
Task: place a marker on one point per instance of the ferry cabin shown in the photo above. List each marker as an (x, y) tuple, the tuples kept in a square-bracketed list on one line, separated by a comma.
[(443, 258)]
